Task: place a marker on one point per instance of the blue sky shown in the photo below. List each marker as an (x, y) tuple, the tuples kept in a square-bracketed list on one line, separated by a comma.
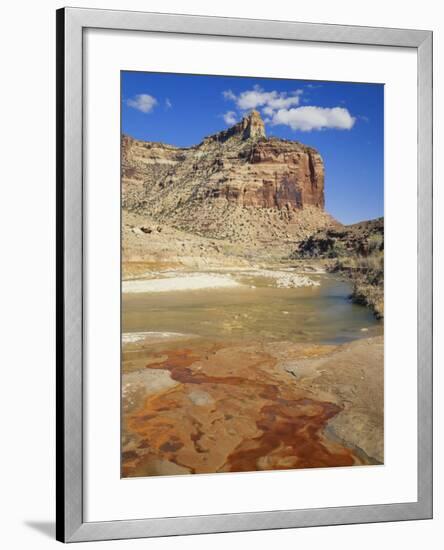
[(343, 121)]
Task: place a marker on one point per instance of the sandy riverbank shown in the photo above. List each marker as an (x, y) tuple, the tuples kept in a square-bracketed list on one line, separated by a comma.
[(180, 282), (176, 281)]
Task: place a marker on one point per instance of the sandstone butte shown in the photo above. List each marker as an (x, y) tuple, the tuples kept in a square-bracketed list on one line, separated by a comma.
[(236, 175)]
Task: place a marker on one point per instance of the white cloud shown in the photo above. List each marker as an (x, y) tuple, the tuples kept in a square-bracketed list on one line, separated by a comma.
[(143, 102), (230, 118), (168, 103), (284, 108), (309, 118), (228, 94), (267, 101)]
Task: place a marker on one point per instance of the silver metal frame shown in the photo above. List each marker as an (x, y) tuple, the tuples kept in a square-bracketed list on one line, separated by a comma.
[(71, 23)]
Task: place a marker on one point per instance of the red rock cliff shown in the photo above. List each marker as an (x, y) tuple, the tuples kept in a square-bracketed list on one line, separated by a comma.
[(239, 165)]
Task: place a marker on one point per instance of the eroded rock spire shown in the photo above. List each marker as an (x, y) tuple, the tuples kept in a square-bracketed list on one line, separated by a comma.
[(251, 126)]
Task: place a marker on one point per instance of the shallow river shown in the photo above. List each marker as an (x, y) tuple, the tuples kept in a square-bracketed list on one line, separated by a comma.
[(257, 309)]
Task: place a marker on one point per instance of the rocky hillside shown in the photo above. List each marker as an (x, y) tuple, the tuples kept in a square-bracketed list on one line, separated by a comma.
[(237, 185), (359, 239)]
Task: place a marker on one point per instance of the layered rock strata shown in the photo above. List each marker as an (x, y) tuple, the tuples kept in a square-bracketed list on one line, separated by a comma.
[(198, 188)]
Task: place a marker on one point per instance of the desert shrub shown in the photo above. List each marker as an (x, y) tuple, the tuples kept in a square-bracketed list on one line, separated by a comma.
[(369, 295), (375, 243), (337, 250)]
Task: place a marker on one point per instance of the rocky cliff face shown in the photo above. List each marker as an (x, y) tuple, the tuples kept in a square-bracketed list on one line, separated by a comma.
[(200, 187), (251, 126)]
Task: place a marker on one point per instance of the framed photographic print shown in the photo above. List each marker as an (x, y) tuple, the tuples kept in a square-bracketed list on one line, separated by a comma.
[(244, 270)]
